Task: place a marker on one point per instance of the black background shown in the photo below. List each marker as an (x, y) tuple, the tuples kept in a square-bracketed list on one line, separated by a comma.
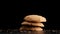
[(12, 14)]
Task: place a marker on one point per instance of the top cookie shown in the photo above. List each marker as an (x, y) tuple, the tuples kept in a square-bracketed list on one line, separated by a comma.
[(36, 18)]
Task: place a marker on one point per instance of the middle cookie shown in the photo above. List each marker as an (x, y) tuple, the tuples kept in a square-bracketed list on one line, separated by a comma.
[(33, 24)]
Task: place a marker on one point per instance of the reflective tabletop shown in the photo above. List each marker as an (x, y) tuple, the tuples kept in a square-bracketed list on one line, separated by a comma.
[(29, 32)]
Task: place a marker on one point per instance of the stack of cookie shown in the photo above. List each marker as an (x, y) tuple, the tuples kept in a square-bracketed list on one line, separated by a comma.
[(33, 23)]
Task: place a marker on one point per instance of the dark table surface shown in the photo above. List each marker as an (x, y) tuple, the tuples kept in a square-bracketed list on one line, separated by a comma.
[(29, 32)]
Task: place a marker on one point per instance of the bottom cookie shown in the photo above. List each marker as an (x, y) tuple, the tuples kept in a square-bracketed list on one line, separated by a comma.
[(30, 29)]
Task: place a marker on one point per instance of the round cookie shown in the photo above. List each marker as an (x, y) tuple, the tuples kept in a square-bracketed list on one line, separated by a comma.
[(35, 18), (33, 24), (31, 29)]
